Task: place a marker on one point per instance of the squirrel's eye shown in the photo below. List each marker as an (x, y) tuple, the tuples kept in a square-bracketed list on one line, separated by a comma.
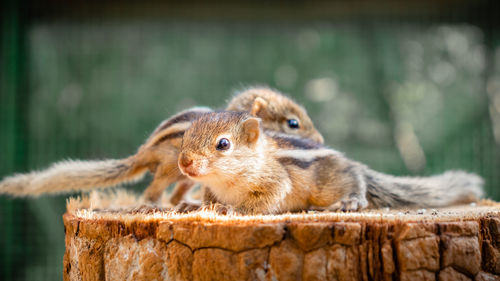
[(223, 144), (293, 123)]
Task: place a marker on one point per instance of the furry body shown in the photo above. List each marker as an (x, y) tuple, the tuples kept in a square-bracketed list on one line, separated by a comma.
[(268, 172), (159, 153)]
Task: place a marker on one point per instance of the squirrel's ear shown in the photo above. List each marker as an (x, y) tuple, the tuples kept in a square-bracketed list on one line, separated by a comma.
[(259, 106), (251, 129)]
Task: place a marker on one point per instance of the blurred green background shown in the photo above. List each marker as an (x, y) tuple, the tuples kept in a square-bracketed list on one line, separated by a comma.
[(407, 87)]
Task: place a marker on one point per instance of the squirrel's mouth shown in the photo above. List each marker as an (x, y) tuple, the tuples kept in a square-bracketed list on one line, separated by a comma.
[(191, 172)]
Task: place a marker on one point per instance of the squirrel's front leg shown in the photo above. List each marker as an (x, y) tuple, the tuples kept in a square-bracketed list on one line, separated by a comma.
[(352, 202), (355, 198), (208, 200), (163, 177), (180, 191)]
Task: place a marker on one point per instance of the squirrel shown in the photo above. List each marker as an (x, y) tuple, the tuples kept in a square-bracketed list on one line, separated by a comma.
[(159, 153), (254, 170)]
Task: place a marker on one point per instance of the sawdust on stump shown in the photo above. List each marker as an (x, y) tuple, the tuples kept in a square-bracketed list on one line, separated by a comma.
[(461, 243)]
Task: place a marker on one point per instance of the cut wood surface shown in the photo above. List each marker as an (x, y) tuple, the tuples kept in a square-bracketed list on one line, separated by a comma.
[(108, 237)]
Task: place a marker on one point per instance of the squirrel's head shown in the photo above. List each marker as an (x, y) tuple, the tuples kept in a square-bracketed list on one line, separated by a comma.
[(217, 144), (277, 111)]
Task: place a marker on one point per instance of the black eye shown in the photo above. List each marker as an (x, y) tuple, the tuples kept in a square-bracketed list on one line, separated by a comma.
[(224, 144), (293, 123)]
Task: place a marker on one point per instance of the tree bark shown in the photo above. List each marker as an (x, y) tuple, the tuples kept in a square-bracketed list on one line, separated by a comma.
[(460, 244)]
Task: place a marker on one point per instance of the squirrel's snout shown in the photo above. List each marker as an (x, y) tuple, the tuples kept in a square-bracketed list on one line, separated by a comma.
[(189, 166)]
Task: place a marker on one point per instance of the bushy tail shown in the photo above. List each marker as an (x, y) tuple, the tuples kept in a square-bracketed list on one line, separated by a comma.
[(67, 176), (450, 188)]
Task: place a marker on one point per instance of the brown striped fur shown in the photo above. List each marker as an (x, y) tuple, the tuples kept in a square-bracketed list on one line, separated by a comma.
[(157, 155), (264, 172)]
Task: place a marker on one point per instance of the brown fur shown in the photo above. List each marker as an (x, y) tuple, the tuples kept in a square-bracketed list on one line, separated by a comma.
[(158, 155), (263, 172), (275, 110)]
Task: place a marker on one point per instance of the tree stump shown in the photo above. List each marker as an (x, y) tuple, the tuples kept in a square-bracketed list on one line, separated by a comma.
[(127, 243)]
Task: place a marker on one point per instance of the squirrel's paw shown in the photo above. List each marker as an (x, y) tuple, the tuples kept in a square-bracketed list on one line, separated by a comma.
[(187, 206), (350, 204), (222, 209)]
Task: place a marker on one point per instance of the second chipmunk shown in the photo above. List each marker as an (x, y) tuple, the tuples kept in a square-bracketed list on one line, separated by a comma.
[(260, 171)]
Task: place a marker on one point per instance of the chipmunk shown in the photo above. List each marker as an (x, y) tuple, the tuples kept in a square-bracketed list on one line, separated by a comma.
[(159, 153), (260, 171)]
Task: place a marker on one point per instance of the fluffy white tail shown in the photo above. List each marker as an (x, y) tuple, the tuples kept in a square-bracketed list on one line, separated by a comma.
[(67, 176), (450, 188)]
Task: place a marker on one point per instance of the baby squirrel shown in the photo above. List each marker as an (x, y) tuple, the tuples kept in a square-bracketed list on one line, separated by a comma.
[(159, 153), (259, 171)]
